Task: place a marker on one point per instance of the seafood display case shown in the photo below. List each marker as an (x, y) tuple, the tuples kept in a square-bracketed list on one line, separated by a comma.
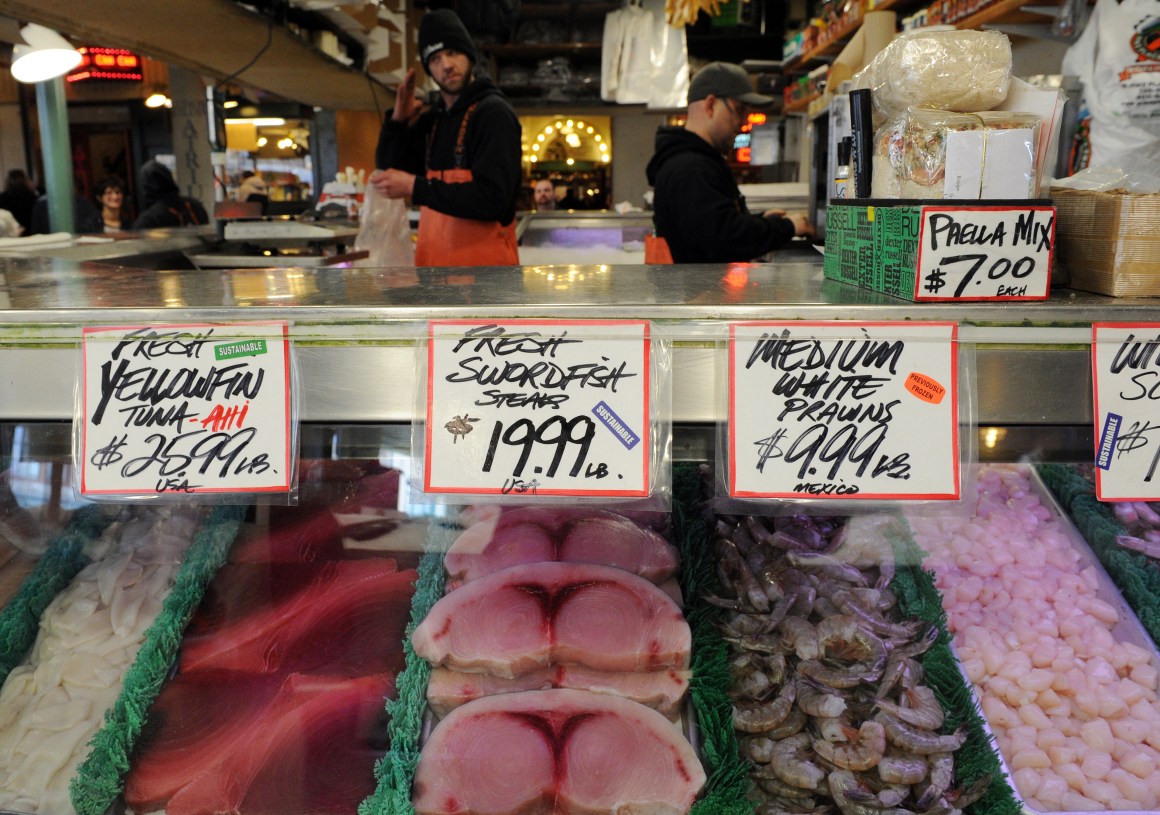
[(365, 646)]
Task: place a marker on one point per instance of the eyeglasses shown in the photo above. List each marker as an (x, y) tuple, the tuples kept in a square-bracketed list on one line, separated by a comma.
[(738, 113)]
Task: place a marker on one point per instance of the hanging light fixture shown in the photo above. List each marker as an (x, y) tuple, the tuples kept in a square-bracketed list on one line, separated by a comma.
[(158, 99), (43, 55)]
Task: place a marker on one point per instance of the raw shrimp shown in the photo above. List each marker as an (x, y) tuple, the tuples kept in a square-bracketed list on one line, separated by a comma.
[(832, 729), (849, 605), (755, 675), (744, 583), (966, 795), (837, 677), (942, 775), (791, 765), (761, 717), (862, 750), (768, 780), (924, 711), (794, 723), (828, 566), (1142, 545), (799, 634), (902, 768), (815, 701), (920, 742), (852, 797), (758, 749)]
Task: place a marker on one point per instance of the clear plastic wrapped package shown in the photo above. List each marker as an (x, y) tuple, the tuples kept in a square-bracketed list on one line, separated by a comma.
[(961, 71), (939, 154)]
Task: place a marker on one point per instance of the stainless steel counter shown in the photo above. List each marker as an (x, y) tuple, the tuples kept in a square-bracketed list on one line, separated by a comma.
[(355, 329)]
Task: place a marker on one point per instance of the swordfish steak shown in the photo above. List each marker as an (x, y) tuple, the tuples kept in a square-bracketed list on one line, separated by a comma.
[(521, 619), (556, 752), (535, 534)]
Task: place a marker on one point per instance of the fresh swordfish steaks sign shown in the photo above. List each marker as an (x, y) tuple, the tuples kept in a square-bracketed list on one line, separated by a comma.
[(538, 407), (189, 409), (843, 410)]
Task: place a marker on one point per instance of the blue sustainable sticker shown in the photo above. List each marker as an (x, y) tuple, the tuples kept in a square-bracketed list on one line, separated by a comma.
[(1108, 440), (614, 423)]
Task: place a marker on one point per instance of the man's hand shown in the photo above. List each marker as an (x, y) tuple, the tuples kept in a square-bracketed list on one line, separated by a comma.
[(802, 228), (392, 183), (407, 105)]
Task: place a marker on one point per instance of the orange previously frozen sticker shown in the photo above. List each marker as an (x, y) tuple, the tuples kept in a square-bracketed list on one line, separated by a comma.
[(925, 388)]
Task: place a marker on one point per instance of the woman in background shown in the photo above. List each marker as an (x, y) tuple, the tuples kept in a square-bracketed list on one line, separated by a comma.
[(111, 199)]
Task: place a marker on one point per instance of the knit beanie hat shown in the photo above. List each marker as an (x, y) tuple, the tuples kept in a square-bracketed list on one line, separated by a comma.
[(441, 29)]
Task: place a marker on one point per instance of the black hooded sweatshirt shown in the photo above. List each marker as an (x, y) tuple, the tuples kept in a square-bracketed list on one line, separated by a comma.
[(162, 203), (698, 209), (491, 150)]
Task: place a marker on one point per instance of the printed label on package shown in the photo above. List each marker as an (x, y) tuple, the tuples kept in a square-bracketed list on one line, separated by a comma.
[(538, 407), (1126, 381), (837, 410), (186, 409), (985, 253)]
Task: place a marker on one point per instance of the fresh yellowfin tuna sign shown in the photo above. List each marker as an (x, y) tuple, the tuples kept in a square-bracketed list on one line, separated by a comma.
[(185, 409)]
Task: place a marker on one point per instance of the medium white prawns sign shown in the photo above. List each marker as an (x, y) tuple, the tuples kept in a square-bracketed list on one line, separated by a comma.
[(185, 409), (538, 407), (832, 410)]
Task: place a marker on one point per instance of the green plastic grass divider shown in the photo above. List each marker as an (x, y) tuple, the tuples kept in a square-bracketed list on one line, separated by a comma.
[(728, 781), (919, 597), (100, 777), (64, 558), (395, 771), (1135, 574)]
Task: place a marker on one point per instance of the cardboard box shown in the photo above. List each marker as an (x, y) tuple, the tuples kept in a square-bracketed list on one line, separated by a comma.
[(940, 251), (1109, 243)]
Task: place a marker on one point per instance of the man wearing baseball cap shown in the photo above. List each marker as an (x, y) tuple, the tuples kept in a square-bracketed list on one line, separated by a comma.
[(460, 160), (698, 209)]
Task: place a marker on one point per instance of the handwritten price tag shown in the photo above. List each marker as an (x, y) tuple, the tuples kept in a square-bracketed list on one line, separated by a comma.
[(1126, 380), (843, 410), (985, 253), (538, 407), (185, 409)]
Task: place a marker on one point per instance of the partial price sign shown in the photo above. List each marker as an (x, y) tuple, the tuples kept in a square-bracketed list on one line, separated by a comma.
[(538, 407), (186, 409), (1126, 380), (985, 253), (833, 410)]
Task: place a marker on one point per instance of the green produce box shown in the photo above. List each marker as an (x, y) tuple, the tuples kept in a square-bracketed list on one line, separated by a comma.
[(942, 251)]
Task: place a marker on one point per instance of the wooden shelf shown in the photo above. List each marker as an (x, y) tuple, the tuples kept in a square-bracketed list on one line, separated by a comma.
[(1005, 10), (835, 45), (801, 105), (576, 10)]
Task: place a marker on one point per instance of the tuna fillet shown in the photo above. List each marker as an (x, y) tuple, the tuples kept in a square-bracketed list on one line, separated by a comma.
[(518, 620), (348, 618), (565, 752), (537, 534), (660, 690)]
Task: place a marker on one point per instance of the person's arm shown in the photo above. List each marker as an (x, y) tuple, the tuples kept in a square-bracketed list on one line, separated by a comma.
[(493, 155), (701, 206)]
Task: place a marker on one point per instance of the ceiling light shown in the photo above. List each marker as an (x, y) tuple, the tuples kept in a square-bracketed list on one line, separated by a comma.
[(262, 141), (43, 55), (230, 103), (572, 139), (260, 121), (157, 99)]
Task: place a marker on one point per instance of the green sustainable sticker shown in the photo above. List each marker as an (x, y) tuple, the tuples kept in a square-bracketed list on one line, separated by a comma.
[(245, 348)]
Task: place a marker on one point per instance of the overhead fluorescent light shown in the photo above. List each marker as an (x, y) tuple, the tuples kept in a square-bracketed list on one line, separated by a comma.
[(43, 55), (259, 121)]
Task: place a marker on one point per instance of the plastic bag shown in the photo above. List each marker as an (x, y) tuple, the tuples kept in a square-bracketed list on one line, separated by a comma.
[(670, 61), (961, 71), (1117, 58), (939, 154), (384, 231), (635, 72)]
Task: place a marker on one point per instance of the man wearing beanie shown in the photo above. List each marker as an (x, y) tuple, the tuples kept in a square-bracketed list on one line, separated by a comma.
[(698, 209), (460, 160)]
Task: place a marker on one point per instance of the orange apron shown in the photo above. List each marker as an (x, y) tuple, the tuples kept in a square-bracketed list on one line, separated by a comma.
[(448, 241), (656, 250)]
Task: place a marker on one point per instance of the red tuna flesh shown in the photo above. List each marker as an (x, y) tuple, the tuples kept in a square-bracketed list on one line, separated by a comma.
[(660, 690), (535, 534), (327, 720), (349, 619), (556, 752), (517, 620)]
